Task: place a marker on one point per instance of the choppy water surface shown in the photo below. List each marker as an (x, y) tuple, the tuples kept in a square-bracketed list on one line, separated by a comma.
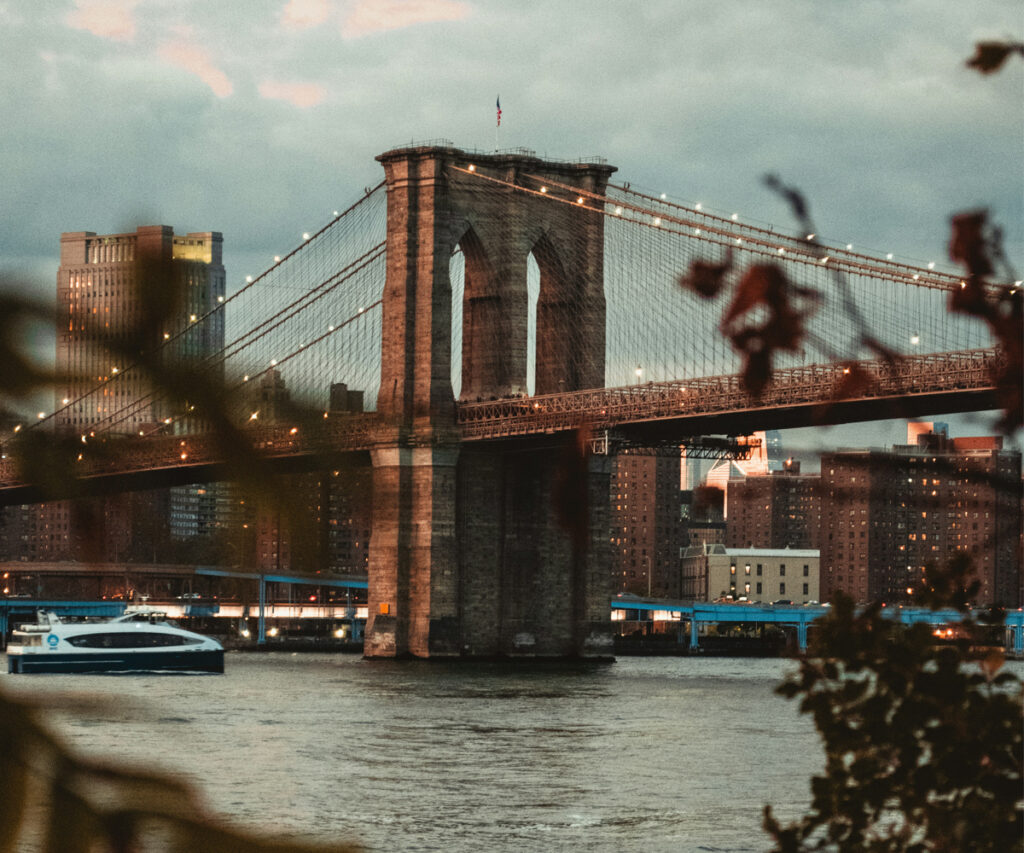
[(652, 754)]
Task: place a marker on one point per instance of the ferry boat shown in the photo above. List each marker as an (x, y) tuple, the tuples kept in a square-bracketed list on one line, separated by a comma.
[(142, 640)]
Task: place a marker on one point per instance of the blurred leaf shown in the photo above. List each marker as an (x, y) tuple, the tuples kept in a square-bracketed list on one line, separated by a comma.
[(922, 752), (756, 372), (992, 663), (795, 198), (977, 245), (706, 279), (708, 501), (989, 56), (20, 371), (968, 244), (762, 319), (13, 800), (72, 826)]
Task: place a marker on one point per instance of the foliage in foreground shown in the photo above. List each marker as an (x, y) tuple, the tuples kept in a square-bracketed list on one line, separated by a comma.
[(923, 749)]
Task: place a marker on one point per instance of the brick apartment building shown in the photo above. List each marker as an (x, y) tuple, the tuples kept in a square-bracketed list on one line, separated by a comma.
[(779, 509), (646, 533), (887, 516)]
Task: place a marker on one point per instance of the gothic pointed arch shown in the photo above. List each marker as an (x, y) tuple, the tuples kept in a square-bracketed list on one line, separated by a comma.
[(493, 320), (563, 348)]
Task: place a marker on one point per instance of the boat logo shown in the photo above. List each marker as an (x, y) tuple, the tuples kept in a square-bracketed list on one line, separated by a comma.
[(53, 639)]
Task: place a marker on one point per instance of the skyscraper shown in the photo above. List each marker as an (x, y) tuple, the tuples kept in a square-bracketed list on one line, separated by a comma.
[(118, 294), (142, 288)]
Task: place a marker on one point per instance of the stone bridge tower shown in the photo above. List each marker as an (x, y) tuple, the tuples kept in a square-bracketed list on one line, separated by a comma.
[(467, 556)]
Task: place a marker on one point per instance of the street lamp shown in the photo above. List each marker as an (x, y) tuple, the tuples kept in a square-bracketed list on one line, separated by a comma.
[(639, 372)]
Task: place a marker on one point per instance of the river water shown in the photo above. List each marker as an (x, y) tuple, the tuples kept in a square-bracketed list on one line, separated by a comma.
[(652, 754)]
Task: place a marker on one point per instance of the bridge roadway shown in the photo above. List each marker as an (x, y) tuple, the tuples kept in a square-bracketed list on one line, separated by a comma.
[(799, 616), (648, 414), (697, 613)]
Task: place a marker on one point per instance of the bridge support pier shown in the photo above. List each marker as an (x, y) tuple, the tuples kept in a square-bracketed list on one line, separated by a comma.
[(469, 558), (467, 555), (412, 603), (527, 590)]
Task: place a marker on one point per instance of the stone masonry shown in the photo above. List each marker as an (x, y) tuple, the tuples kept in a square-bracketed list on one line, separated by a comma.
[(467, 555)]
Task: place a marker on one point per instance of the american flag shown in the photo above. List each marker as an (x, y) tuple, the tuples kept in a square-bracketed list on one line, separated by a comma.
[(499, 111)]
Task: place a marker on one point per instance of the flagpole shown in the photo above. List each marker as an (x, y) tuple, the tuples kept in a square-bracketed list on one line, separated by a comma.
[(497, 125)]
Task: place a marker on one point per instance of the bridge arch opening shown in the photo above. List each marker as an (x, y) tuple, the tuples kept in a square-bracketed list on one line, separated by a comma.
[(457, 274), (532, 297), (553, 347), (477, 311)]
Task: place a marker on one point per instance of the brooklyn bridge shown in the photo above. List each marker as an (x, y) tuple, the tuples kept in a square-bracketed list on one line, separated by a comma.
[(497, 312)]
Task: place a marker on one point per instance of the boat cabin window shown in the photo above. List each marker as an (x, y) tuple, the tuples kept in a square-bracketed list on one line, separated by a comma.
[(26, 640), (152, 617), (131, 640)]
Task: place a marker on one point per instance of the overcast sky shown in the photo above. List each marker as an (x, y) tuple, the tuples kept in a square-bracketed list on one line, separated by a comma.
[(257, 118)]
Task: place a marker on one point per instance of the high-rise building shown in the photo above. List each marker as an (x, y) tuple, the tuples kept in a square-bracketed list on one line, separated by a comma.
[(755, 465), (888, 516), (122, 292), (775, 451), (646, 533), (780, 509), (142, 289)]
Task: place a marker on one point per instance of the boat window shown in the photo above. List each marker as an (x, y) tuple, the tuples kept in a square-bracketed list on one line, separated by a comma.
[(26, 640), (131, 640)]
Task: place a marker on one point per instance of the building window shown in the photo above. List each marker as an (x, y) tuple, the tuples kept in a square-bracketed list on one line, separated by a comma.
[(807, 570), (746, 569), (758, 588), (759, 572), (782, 570), (782, 589), (806, 589)]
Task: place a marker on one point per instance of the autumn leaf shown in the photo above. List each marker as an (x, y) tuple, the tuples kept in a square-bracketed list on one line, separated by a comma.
[(992, 663), (706, 279), (766, 287), (708, 501), (989, 56), (854, 382), (761, 285), (968, 244), (976, 246), (756, 373)]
